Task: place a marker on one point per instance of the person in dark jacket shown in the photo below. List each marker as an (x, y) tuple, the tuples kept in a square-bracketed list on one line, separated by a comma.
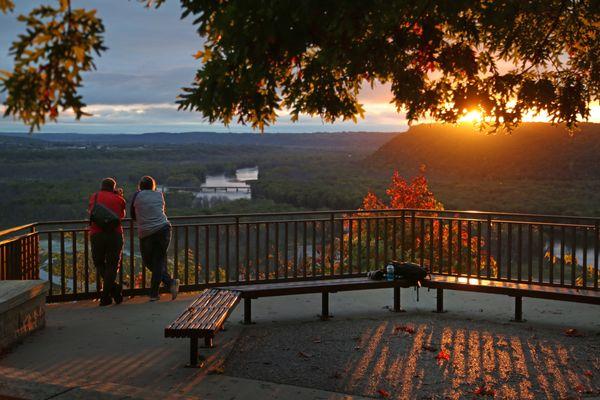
[(154, 231), (107, 242)]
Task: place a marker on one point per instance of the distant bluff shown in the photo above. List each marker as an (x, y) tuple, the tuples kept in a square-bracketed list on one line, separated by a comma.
[(534, 150)]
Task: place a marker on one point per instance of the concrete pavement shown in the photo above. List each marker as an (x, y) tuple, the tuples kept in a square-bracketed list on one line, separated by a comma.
[(88, 351)]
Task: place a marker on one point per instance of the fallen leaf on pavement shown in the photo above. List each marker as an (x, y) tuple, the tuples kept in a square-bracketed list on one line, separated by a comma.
[(383, 393), (588, 373), (404, 328), (303, 355), (216, 371), (484, 391), (572, 332)]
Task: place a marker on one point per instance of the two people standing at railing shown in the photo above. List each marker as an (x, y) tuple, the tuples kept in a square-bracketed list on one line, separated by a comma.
[(107, 209)]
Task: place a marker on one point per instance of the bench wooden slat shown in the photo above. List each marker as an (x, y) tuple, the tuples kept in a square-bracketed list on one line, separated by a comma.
[(211, 301), (590, 296), (199, 315), (205, 322), (191, 311), (213, 309), (218, 320), (316, 286)]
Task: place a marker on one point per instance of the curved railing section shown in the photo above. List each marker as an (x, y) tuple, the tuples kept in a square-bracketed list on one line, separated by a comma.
[(234, 249), (19, 253)]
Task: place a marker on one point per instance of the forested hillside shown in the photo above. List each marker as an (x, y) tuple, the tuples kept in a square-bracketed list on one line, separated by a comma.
[(353, 141), (51, 179), (532, 151)]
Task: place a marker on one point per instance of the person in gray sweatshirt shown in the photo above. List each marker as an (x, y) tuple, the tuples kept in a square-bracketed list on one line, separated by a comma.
[(154, 231)]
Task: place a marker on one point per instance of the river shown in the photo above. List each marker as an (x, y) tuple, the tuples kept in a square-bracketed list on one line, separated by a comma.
[(222, 187)]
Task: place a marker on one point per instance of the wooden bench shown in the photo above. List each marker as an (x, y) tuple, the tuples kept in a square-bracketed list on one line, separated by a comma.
[(324, 286), (204, 318), (518, 290), (207, 314)]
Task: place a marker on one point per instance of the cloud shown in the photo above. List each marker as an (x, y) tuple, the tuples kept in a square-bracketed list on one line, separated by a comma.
[(122, 88)]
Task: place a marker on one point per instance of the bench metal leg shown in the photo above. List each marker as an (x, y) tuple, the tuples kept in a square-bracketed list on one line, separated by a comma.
[(397, 303), (208, 342), (439, 301), (193, 352), (324, 306), (247, 311), (518, 309)]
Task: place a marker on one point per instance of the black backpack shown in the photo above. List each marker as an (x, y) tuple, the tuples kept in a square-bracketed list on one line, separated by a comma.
[(103, 217), (410, 271), (402, 270)]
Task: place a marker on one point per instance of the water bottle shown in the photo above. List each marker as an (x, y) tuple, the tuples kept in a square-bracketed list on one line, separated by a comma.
[(389, 272)]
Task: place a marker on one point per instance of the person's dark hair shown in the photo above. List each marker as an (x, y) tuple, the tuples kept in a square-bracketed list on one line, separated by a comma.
[(147, 183), (108, 184)]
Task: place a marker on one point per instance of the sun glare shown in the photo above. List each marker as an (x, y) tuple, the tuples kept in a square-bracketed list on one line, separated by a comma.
[(471, 116)]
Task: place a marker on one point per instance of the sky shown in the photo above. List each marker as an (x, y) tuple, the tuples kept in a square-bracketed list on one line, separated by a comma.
[(149, 59), (134, 87)]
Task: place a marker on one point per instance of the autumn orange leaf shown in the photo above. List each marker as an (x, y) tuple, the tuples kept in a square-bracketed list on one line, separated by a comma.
[(383, 393), (441, 356), (199, 54)]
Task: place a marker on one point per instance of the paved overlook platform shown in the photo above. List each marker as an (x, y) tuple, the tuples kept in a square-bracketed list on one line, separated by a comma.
[(116, 352)]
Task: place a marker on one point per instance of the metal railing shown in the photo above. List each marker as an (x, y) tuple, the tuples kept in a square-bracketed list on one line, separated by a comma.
[(218, 250)]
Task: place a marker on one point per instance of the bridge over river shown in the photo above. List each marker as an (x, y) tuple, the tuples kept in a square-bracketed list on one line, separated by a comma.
[(211, 189)]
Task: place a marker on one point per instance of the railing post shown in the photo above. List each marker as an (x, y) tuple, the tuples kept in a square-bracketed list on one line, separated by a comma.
[(50, 267), (186, 256), (440, 246), (36, 254), (237, 249), (596, 239), (413, 233), (13, 261), (488, 261), (332, 244), (74, 260), (131, 256), (175, 252)]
